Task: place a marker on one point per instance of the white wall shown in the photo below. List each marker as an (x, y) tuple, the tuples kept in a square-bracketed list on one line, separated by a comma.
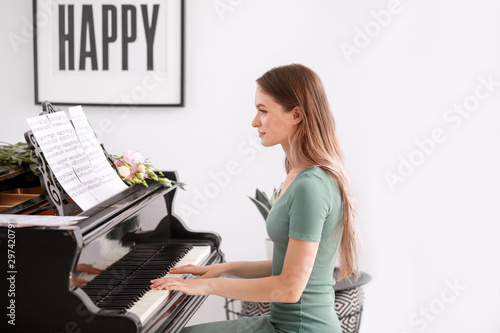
[(435, 229)]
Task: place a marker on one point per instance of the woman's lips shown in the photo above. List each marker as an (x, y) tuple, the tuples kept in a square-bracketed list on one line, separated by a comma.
[(261, 134)]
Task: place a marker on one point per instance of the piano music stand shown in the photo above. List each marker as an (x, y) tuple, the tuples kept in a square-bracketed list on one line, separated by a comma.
[(58, 198)]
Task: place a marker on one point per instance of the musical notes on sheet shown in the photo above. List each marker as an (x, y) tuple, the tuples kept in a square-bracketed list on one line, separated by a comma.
[(75, 157), (92, 149), (59, 161)]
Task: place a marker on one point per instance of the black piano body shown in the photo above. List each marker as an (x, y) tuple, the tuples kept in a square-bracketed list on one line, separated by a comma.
[(49, 292)]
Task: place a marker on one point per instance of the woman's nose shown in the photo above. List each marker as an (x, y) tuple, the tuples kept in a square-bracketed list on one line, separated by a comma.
[(256, 121)]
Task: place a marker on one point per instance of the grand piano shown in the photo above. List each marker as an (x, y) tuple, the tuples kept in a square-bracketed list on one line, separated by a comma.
[(94, 276)]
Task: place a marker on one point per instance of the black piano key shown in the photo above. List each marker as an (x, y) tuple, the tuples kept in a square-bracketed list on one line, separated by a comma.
[(122, 297), (118, 303), (128, 290), (114, 307), (122, 283)]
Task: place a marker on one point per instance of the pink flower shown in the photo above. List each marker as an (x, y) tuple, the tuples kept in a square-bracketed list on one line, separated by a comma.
[(133, 157), (127, 156), (138, 158), (133, 170)]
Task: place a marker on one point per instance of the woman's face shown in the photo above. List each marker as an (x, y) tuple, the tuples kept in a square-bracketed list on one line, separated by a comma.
[(274, 124)]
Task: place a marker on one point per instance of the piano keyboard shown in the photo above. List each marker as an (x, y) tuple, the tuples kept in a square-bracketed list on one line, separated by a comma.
[(125, 284), (153, 298)]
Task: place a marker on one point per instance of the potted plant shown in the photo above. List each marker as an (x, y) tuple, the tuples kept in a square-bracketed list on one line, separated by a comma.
[(264, 205)]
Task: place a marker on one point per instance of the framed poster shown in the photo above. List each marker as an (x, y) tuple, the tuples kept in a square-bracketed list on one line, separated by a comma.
[(109, 52)]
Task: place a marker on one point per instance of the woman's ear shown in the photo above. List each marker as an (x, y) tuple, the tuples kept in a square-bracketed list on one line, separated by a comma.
[(297, 114)]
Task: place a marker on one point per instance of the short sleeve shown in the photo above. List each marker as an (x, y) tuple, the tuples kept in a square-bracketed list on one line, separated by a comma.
[(309, 207)]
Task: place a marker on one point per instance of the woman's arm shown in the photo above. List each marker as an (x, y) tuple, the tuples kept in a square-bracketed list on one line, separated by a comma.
[(286, 287), (241, 269), (250, 269)]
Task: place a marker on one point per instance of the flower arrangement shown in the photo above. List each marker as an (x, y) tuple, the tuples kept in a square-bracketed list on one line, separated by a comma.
[(133, 169), (263, 202)]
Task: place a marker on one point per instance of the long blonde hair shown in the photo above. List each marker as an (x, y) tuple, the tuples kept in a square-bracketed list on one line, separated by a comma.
[(315, 143)]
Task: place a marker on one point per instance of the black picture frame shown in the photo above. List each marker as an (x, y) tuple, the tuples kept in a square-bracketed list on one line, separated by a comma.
[(70, 85)]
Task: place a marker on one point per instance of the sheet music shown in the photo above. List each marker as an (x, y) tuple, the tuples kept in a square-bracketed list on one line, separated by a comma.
[(79, 161), (107, 175), (59, 161), (38, 220)]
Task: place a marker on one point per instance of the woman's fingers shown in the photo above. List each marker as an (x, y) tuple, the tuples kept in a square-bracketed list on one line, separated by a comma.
[(94, 270), (188, 269), (158, 284), (88, 269), (188, 287), (161, 282), (77, 282), (165, 283)]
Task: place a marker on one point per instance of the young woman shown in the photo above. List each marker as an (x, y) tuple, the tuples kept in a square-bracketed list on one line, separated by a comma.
[(310, 222)]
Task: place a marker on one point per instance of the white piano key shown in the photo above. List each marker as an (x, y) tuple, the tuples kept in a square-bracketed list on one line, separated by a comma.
[(153, 298)]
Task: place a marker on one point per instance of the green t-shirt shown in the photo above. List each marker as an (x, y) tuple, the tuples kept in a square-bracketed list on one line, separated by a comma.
[(310, 210)]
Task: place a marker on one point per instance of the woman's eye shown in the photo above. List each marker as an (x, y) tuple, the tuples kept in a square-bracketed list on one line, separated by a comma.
[(262, 111)]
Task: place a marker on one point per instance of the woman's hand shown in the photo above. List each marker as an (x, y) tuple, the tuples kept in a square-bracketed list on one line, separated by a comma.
[(196, 286), (83, 268), (189, 287), (86, 268), (77, 282), (204, 272)]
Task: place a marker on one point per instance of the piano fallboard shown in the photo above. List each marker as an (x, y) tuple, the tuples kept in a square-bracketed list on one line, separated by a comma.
[(54, 267)]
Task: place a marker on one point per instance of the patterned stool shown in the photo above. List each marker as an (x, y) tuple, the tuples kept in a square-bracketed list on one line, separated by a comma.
[(349, 306), (349, 298)]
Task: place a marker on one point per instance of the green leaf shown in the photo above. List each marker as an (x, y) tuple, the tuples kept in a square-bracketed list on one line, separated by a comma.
[(180, 184), (262, 197), (19, 153), (33, 169), (274, 196), (261, 207)]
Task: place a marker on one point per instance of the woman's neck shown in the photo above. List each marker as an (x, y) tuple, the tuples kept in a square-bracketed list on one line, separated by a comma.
[(295, 166)]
